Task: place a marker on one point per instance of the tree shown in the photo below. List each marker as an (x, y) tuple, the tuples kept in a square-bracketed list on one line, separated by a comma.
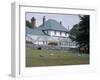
[(28, 24), (80, 32), (74, 32)]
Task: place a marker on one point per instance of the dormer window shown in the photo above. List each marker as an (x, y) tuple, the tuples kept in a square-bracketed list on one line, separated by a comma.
[(45, 31)]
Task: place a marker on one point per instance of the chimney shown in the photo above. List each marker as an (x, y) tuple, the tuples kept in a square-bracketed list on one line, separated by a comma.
[(44, 20), (33, 22), (61, 22)]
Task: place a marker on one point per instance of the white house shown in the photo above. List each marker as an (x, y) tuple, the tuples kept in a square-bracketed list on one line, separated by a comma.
[(49, 31)]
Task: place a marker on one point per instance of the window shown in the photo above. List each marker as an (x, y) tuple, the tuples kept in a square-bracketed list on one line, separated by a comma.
[(65, 34), (55, 32), (60, 33)]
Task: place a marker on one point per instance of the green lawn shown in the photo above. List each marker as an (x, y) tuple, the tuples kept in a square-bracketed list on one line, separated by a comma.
[(53, 58)]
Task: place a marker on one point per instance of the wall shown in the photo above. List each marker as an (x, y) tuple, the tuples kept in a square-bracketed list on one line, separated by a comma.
[(5, 39), (57, 33)]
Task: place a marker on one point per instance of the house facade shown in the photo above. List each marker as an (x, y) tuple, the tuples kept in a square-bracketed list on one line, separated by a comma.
[(50, 32)]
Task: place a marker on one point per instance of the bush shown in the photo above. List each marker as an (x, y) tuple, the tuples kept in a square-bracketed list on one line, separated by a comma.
[(53, 43), (39, 48)]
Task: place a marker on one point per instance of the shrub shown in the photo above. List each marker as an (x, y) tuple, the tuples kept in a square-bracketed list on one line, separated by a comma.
[(53, 43)]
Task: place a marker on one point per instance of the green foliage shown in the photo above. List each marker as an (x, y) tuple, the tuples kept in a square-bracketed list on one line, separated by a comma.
[(80, 32), (53, 43), (28, 24), (74, 32)]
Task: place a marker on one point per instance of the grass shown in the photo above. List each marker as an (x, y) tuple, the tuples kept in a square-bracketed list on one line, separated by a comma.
[(53, 58)]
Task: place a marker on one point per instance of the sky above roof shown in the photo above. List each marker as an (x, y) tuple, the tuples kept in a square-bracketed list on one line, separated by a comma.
[(67, 19)]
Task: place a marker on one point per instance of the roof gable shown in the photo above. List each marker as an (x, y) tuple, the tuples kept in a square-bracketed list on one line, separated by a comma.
[(53, 25), (35, 31), (49, 25)]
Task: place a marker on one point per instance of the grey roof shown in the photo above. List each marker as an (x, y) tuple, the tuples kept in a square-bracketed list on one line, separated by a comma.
[(49, 25), (53, 25), (34, 31)]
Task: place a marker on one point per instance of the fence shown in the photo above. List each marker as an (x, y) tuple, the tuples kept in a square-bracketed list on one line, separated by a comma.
[(49, 47)]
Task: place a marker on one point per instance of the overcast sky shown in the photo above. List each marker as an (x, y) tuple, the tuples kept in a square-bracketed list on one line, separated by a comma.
[(67, 20)]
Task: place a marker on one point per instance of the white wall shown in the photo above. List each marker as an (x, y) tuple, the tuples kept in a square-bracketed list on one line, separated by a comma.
[(63, 34), (52, 33), (67, 35), (49, 32), (5, 40), (58, 33)]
